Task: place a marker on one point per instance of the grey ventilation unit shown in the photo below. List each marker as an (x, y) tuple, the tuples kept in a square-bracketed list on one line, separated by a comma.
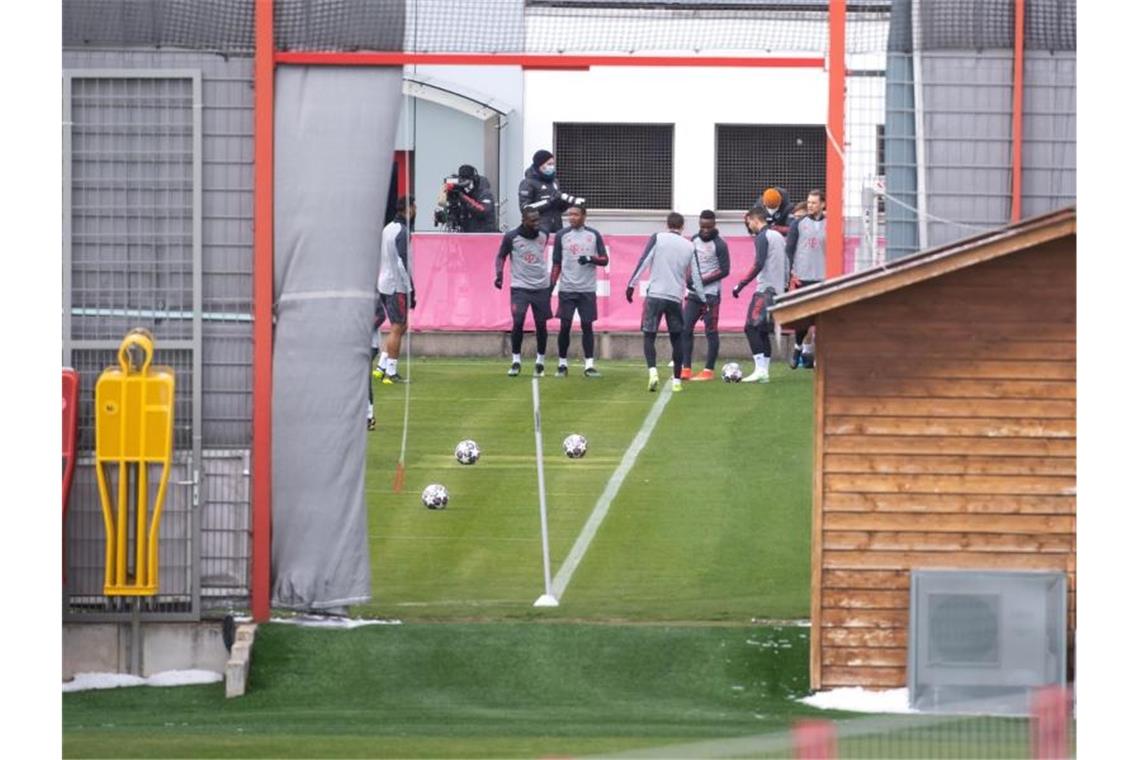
[(981, 642)]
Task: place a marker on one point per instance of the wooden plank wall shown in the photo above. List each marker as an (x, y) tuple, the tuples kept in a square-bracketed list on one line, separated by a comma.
[(948, 441)]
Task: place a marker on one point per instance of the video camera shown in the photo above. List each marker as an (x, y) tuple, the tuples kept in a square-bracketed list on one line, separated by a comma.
[(454, 214)]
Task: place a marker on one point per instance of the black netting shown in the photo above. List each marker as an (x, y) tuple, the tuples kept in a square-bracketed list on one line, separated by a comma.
[(472, 26), (751, 157), (627, 166), (983, 25)]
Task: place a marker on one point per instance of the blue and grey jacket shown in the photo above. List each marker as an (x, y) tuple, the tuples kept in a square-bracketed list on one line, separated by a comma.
[(571, 243), (807, 250), (394, 276), (528, 259), (672, 262), (712, 255)]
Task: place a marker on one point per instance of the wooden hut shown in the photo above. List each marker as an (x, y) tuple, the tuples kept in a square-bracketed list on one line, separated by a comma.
[(945, 432)]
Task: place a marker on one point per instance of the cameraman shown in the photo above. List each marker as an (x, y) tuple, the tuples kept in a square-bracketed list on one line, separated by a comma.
[(466, 203), (539, 191)]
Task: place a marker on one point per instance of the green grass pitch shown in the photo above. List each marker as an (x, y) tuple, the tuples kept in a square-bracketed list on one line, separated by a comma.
[(708, 533), (711, 524)]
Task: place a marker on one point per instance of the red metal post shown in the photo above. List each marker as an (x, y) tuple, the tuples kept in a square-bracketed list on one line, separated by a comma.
[(534, 61), (1018, 104), (815, 740), (262, 475), (836, 96), (1049, 725)]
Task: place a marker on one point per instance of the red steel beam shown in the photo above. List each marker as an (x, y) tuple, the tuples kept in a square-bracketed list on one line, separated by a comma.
[(836, 96), (534, 61), (1018, 105), (262, 475)]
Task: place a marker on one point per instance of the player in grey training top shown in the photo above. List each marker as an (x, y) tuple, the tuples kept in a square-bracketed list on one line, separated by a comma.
[(530, 286), (394, 283), (578, 252), (771, 265), (672, 263), (712, 253), (807, 257)]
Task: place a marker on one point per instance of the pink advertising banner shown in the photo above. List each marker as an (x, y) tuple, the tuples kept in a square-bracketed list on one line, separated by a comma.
[(454, 276)]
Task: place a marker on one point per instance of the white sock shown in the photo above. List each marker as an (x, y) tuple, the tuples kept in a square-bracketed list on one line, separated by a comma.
[(653, 372), (382, 362), (539, 359), (562, 361), (762, 363), (589, 362), (799, 347), (759, 359), (392, 366), (516, 358), (370, 409)]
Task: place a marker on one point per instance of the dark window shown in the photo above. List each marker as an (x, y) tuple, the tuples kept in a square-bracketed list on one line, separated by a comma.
[(751, 157), (880, 149), (619, 166)]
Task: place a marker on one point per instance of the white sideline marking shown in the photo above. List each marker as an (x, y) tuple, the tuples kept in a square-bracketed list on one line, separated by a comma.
[(602, 507)]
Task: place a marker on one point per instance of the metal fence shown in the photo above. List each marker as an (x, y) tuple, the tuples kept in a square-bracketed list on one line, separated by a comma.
[(158, 234)]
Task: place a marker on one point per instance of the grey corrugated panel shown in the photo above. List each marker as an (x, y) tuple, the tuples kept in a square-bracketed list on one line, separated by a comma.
[(1049, 174), (899, 154), (968, 179)]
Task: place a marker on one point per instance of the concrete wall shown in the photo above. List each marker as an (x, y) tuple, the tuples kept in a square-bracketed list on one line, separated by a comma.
[(106, 648)]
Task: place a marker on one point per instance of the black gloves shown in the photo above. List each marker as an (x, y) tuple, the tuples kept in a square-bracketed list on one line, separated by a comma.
[(584, 260), (629, 294), (411, 299), (498, 282), (736, 290)]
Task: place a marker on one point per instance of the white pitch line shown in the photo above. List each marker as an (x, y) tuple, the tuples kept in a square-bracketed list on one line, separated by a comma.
[(602, 507)]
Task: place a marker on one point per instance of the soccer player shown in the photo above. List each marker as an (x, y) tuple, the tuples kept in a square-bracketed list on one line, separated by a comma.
[(807, 258), (672, 261), (578, 252), (771, 267), (530, 286), (777, 208), (712, 254), (397, 291)]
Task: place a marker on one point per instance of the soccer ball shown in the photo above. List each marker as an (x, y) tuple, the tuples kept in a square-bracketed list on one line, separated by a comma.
[(575, 446), (434, 496), (731, 373), (467, 452)]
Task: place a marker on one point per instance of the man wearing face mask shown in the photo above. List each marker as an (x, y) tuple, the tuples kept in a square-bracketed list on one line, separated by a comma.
[(539, 191), (712, 255), (807, 258), (777, 209)]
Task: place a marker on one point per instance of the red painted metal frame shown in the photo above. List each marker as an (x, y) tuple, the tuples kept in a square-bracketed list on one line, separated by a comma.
[(534, 61), (1018, 105), (836, 96), (265, 60), (262, 481)]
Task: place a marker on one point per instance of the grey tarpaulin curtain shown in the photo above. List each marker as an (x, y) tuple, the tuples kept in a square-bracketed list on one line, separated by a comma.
[(334, 136)]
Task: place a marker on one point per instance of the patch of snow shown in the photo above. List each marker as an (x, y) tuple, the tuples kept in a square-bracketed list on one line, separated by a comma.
[(86, 681), (332, 621), (858, 699)]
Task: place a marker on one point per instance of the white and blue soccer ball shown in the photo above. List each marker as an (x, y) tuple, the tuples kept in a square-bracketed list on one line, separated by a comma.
[(467, 452), (731, 373), (434, 496), (575, 446)]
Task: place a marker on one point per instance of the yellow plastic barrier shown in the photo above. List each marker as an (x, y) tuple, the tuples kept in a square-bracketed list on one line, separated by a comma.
[(134, 429)]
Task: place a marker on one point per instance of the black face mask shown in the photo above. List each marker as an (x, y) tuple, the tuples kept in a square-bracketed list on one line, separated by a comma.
[(707, 236), (528, 234)]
